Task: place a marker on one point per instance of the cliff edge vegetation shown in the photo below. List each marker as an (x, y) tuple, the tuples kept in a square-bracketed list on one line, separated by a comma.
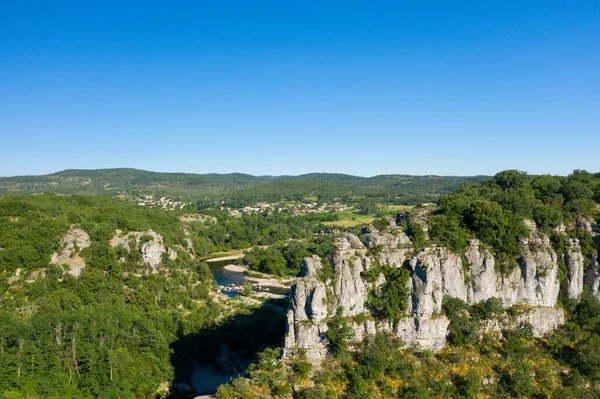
[(491, 293)]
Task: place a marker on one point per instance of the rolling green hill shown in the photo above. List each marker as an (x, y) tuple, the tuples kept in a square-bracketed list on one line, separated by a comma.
[(99, 181), (237, 188)]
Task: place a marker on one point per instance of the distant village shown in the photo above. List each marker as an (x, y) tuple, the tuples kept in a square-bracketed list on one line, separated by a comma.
[(150, 201), (294, 209)]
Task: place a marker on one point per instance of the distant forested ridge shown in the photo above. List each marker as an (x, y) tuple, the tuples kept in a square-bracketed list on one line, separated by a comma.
[(99, 181), (237, 189)]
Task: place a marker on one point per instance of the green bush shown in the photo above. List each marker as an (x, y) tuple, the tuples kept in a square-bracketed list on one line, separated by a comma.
[(338, 333), (462, 329), (390, 301)]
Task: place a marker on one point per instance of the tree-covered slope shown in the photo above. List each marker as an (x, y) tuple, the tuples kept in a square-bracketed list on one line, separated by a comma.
[(128, 322), (75, 181), (237, 188), (494, 211)]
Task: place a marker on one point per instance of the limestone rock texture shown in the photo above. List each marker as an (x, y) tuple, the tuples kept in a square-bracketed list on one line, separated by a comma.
[(148, 243), (72, 243), (575, 266), (592, 277), (532, 285), (305, 318)]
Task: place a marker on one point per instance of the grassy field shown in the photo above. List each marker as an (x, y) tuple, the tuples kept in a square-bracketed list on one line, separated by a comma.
[(397, 208), (350, 219)]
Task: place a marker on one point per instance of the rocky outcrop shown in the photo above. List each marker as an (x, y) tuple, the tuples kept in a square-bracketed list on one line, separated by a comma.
[(435, 272), (306, 327), (149, 243), (543, 320), (423, 332), (72, 243), (575, 267), (390, 248), (483, 275), (592, 277)]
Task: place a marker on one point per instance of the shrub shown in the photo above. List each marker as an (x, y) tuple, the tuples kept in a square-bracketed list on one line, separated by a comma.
[(338, 333), (390, 301), (462, 329)]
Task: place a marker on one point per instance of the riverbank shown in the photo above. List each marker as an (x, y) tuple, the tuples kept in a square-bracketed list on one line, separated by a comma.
[(231, 279), (235, 268), (265, 281), (270, 282), (228, 257)]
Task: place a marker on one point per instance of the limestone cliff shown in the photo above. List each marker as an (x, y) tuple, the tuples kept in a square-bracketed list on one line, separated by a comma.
[(592, 277), (434, 273), (307, 312), (149, 243)]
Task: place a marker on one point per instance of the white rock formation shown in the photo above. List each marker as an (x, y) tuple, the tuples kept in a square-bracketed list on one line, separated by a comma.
[(305, 327), (152, 250), (483, 276), (435, 273), (575, 266), (543, 320), (72, 243)]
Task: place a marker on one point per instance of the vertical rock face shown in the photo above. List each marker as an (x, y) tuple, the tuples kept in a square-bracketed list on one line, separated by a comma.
[(574, 263), (305, 327), (539, 284), (309, 295), (539, 279), (435, 273), (483, 276), (534, 281), (592, 278), (348, 263), (426, 298)]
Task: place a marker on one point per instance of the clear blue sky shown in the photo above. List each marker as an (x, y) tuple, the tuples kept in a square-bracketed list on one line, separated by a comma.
[(289, 87)]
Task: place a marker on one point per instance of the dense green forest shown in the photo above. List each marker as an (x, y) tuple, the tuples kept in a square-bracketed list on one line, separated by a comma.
[(494, 211), (236, 189), (259, 229), (102, 181), (284, 258), (119, 329)]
